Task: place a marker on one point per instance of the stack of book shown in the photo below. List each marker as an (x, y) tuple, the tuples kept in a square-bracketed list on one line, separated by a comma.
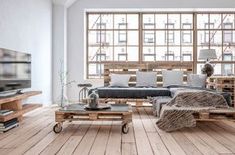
[(5, 112), (5, 126)]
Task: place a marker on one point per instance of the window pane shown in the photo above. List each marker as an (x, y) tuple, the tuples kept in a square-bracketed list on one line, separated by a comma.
[(187, 21), (186, 37), (107, 20), (120, 37), (174, 21), (173, 54), (93, 38), (187, 54), (120, 54), (148, 21), (216, 38), (133, 21), (215, 19), (133, 38), (132, 53), (120, 21), (160, 38), (202, 21), (106, 53), (95, 70), (148, 37), (93, 51), (203, 38), (160, 20), (148, 54), (93, 20), (229, 53), (160, 53), (228, 19)]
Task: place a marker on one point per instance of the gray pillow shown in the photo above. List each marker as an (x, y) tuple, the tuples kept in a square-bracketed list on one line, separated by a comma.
[(172, 78), (146, 79), (120, 80), (197, 80)]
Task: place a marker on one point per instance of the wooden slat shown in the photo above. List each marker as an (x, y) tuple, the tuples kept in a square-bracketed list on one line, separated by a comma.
[(217, 136), (214, 144), (131, 68), (115, 140), (100, 143), (167, 139), (87, 142), (188, 147), (19, 97), (73, 141), (26, 108), (55, 146), (199, 143), (141, 136)]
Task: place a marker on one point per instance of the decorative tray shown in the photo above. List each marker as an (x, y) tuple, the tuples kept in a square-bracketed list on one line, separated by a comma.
[(99, 107)]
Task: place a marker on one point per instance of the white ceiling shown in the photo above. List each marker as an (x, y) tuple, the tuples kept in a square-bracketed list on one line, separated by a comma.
[(66, 3)]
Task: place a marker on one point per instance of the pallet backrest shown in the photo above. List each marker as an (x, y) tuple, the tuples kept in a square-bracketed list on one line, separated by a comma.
[(131, 68)]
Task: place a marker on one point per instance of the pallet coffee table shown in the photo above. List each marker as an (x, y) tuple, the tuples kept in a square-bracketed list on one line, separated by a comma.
[(77, 112)]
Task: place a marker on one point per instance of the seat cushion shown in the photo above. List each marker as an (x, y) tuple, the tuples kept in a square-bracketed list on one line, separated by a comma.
[(158, 102), (131, 92)]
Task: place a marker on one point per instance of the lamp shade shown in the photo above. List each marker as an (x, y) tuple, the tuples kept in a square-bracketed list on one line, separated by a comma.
[(207, 54)]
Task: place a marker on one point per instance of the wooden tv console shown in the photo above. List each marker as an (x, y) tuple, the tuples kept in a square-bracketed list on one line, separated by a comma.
[(15, 103)]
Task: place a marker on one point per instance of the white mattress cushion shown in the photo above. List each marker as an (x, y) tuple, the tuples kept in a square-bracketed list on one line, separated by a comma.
[(147, 79), (120, 80), (172, 77), (197, 80)]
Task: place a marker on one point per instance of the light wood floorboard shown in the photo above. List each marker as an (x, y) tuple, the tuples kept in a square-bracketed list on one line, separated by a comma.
[(35, 136)]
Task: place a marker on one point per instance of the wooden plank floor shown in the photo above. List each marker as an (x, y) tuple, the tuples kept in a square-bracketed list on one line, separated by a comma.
[(35, 136)]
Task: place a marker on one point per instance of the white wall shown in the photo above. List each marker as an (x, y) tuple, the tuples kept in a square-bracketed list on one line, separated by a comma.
[(26, 25), (76, 40), (59, 48)]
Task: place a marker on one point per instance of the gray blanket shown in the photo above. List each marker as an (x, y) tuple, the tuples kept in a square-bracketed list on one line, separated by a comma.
[(178, 113)]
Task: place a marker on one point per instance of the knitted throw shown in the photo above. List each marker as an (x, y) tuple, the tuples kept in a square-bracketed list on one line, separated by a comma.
[(178, 113)]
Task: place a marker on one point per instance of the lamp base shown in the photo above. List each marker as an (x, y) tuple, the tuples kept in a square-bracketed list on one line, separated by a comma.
[(207, 69)]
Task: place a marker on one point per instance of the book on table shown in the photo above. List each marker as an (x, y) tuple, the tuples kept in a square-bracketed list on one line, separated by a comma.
[(5, 126), (5, 112)]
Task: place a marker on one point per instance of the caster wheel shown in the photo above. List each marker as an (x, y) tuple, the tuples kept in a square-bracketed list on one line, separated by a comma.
[(57, 128), (125, 128)]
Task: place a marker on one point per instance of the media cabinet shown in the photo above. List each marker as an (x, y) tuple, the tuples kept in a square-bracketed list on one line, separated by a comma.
[(15, 103)]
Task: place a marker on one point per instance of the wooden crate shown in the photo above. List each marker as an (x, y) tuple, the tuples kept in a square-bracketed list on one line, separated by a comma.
[(224, 84)]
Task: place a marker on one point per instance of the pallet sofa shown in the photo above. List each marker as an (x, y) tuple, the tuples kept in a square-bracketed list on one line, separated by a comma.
[(132, 93), (140, 95)]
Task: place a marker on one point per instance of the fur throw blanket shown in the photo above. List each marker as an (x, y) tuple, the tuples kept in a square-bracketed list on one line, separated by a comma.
[(178, 112)]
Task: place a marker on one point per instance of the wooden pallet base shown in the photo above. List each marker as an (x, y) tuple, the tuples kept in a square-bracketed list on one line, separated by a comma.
[(138, 102), (216, 115)]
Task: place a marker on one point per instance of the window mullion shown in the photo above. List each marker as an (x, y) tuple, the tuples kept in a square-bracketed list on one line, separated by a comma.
[(140, 37)]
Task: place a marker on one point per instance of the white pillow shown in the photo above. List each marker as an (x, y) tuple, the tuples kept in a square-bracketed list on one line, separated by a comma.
[(172, 77), (146, 79), (120, 80), (197, 80)]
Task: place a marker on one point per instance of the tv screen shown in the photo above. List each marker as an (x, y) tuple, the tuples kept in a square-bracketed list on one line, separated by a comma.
[(15, 70)]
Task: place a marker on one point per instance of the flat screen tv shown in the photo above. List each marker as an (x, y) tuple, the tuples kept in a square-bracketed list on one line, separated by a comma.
[(15, 71)]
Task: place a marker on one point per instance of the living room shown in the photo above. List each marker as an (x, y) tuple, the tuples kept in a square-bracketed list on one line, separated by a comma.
[(117, 77)]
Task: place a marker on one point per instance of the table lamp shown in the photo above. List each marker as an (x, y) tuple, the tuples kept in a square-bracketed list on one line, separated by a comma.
[(207, 54)]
